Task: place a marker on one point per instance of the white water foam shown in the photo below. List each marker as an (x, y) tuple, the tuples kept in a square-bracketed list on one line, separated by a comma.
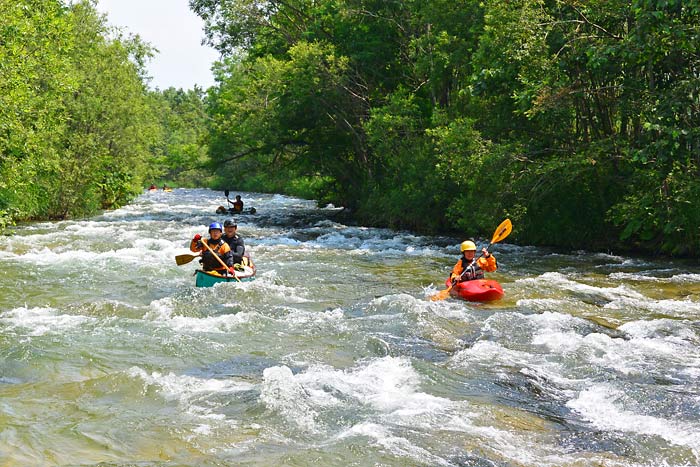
[(357, 241), (549, 279), (268, 283), (282, 392), (662, 347), (670, 329), (604, 407), (677, 308), (147, 252), (388, 385), (162, 311), (41, 321), (300, 318), (400, 447), (620, 297), (657, 277), (193, 394)]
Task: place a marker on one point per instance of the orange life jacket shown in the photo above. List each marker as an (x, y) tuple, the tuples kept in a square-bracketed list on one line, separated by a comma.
[(466, 270), (220, 248)]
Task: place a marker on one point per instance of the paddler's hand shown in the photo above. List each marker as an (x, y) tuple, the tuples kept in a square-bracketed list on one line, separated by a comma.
[(232, 271), (196, 238), (485, 252)]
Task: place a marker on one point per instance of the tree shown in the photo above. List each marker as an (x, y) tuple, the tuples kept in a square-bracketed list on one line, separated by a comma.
[(36, 72), (77, 126), (182, 153)]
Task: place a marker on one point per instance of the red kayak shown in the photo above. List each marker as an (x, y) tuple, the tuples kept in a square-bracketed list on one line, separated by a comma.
[(477, 290)]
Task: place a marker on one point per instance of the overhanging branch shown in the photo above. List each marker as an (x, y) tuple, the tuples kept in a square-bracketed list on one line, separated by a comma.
[(265, 148)]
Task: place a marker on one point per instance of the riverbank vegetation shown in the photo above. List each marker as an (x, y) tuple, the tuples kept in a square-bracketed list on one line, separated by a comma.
[(578, 120), (79, 129)]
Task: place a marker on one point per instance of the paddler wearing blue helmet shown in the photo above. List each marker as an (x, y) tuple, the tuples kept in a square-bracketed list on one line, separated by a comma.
[(218, 246)]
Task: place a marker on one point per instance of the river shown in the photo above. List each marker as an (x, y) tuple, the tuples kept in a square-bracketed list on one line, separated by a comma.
[(334, 356)]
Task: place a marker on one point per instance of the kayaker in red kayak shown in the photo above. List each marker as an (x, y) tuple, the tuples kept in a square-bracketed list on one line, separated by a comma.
[(466, 280), (467, 268)]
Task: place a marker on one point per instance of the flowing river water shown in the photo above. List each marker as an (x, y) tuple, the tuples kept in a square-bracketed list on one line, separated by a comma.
[(334, 356)]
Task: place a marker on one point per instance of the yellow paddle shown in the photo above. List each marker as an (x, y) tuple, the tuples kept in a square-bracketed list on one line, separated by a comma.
[(501, 232), (184, 259)]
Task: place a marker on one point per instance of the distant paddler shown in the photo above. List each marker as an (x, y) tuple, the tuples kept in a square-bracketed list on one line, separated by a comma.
[(237, 206)]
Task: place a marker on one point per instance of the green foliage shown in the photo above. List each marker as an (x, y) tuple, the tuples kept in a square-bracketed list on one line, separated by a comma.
[(400, 194), (469, 167), (111, 123), (288, 113), (566, 199), (661, 215), (511, 67), (580, 121), (34, 46), (79, 130), (182, 153)]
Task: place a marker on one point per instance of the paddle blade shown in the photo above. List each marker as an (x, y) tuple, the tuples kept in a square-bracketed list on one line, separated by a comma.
[(442, 295), (502, 231), (226, 193), (184, 259)]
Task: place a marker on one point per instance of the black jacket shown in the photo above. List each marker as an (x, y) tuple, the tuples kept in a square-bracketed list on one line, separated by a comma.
[(237, 247)]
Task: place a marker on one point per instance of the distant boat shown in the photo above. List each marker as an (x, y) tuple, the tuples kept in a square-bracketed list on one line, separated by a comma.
[(223, 210)]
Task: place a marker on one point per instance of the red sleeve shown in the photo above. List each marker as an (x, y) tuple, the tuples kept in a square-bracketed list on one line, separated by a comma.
[(195, 247)]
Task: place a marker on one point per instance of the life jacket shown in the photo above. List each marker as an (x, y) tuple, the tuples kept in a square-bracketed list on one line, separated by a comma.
[(466, 270), (209, 262), (471, 270)]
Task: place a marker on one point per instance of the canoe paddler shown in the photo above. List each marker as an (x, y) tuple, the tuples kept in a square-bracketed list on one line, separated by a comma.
[(467, 268), (235, 241), (218, 246)]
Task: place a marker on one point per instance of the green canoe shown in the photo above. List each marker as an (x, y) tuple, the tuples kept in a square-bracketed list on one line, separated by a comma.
[(208, 279)]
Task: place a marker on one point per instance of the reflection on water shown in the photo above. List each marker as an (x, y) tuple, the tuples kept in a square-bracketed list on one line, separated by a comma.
[(334, 355)]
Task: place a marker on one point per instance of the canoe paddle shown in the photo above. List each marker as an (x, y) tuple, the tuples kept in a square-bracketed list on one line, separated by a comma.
[(204, 242), (501, 232), (184, 259)]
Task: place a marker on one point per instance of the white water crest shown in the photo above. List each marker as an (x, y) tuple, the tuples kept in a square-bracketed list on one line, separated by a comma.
[(335, 355)]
